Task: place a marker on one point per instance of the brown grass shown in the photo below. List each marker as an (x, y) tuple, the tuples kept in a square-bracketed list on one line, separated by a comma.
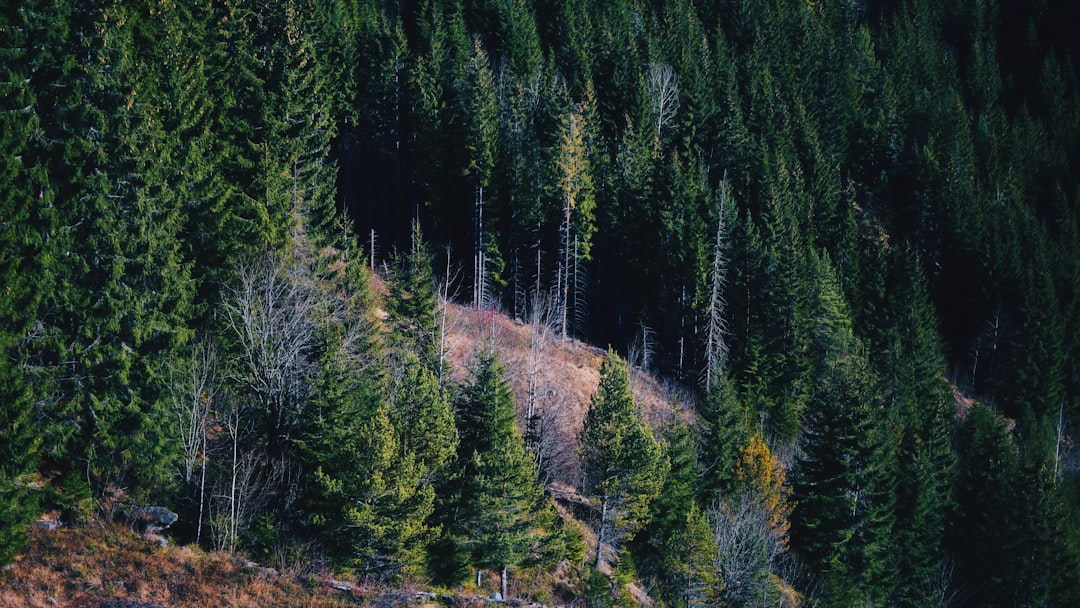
[(569, 374), (83, 567)]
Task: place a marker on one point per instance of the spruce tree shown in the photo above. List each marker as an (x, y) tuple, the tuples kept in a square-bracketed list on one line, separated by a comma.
[(690, 562), (843, 487), (411, 304), (368, 503), (500, 492), (623, 465), (21, 188)]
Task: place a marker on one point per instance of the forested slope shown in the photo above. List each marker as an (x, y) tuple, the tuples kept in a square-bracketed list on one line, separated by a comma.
[(827, 222)]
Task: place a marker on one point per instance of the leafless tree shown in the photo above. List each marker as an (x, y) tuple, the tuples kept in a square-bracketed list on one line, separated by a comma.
[(237, 496), (193, 390), (746, 549), (639, 354), (445, 322), (716, 328), (663, 88), (271, 312)]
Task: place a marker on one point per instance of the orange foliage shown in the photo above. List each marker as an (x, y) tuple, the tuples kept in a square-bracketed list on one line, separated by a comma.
[(765, 478)]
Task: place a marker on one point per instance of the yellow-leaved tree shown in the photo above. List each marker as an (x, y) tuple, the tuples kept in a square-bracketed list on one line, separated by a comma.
[(751, 528)]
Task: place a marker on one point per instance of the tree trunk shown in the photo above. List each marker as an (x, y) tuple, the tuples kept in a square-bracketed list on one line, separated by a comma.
[(502, 581), (600, 533), (202, 492)]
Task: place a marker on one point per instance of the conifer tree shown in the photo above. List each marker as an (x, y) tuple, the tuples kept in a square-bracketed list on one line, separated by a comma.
[(113, 245), (500, 492), (21, 188), (623, 465), (421, 412), (368, 504), (690, 562), (578, 202), (411, 304), (657, 546), (923, 407), (477, 108), (843, 487), (724, 429)]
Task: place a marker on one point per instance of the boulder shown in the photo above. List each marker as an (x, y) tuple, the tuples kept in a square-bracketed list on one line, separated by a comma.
[(151, 520)]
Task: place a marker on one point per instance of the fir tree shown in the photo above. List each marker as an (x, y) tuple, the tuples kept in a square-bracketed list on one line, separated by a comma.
[(21, 189), (500, 492), (624, 466), (411, 304)]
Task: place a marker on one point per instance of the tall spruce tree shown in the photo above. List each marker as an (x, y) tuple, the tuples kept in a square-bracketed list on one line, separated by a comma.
[(624, 467), (367, 503), (21, 193), (500, 492), (843, 487)]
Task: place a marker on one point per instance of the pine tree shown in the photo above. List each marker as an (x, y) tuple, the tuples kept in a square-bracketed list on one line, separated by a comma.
[(623, 465), (477, 108), (20, 247), (578, 202), (124, 305), (675, 518), (411, 304), (500, 492), (923, 407), (299, 175), (369, 504), (690, 562), (843, 488), (724, 429), (421, 413)]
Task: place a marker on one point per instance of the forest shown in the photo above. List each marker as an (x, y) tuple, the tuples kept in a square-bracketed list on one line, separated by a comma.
[(845, 235)]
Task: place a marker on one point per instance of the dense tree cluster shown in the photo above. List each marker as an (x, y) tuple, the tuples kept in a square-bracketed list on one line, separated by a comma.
[(850, 229)]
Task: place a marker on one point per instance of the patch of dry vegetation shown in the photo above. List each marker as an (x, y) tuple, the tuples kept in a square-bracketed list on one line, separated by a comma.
[(567, 376), (83, 567)]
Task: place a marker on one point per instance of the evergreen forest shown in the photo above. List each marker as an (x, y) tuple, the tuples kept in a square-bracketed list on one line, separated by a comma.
[(845, 234)]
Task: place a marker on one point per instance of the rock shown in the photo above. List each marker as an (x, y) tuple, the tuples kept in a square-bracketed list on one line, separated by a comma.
[(151, 520)]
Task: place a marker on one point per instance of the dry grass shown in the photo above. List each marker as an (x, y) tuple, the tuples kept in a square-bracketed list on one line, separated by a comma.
[(569, 373), (82, 567)]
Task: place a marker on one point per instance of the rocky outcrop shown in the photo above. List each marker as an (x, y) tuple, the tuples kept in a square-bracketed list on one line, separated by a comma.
[(151, 520)]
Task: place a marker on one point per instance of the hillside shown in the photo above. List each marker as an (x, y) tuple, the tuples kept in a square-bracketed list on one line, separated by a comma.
[(92, 562), (228, 228), (567, 374)]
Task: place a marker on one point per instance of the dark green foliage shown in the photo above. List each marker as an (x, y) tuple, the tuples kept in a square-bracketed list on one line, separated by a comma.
[(844, 487), (1008, 528), (898, 188), (412, 303), (724, 430), (669, 512), (499, 512), (366, 501), (623, 465), (20, 244)]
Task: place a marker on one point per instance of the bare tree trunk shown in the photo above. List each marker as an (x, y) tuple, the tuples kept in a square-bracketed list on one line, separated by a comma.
[(233, 506), (193, 393), (1060, 437), (600, 533), (716, 348), (479, 262), (202, 494), (563, 279), (663, 88)]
